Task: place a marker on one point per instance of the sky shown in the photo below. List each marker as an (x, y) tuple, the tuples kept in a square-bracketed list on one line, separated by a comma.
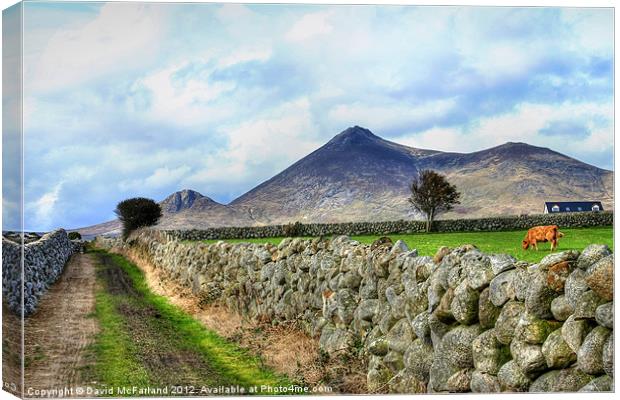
[(136, 99)]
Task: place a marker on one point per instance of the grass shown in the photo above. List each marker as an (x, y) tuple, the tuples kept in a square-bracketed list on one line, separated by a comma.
[(119, 357), (490, 242)]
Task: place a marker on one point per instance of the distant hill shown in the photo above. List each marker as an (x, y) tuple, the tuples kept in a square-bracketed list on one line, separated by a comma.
[(358, 176)]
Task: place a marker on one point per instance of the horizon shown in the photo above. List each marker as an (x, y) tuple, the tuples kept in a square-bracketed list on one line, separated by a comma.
[(228, 87)]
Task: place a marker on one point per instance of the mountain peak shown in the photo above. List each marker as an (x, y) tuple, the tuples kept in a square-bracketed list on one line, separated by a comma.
[(353, 135), (180, 200)]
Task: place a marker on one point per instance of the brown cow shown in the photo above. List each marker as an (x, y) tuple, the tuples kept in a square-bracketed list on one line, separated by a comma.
[(549, 233)]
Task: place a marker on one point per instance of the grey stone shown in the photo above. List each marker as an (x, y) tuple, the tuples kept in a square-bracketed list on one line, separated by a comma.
[(465, 304), (405, 382), (421, 326), (574, 332), (400, 336), (601, 384), (335, 340), (604, 315), (561, 308), (539, 296), (418, 359), (575, 285), (507, 321), (557, 352), (487, 311), (489, 354), (521, 281), (451, 356), (367, 309), (529, 357), (478, 270), (512, 378), (570, 380), (482, 382), (586, 305), (590, 354), (592, 254), (501, 263), (556, 258), (379, 346), (502, 289), (544, 383), (394, 361)]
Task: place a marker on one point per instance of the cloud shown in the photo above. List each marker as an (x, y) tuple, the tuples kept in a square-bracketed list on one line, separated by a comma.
[(310, 25), (44, 207), (121, 37)]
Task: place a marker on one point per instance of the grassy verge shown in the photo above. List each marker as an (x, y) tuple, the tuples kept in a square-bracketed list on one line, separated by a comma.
[(491, 242), (146, 341)]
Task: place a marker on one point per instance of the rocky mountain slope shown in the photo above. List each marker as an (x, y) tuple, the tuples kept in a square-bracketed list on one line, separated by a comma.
[(358, 176)]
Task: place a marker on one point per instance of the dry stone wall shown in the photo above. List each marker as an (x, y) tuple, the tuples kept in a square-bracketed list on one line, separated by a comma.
[(44, 261), (564, 220), (458, 322)]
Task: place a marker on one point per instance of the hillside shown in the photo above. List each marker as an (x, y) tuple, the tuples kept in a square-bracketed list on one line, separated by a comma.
[(358, 176)]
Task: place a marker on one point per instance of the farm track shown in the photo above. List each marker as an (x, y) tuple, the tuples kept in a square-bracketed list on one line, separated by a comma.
[(57, 336), (156, 349)]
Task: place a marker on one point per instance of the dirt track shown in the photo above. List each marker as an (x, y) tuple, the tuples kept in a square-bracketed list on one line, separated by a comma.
[(57, 335)]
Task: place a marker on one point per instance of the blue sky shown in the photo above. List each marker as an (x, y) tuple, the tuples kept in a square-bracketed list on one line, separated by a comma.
[(128, 99)]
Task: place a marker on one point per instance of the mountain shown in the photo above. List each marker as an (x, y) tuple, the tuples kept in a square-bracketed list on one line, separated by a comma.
[(358, 176)]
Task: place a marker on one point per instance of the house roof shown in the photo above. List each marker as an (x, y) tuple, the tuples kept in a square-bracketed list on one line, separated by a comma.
[(573, 205)]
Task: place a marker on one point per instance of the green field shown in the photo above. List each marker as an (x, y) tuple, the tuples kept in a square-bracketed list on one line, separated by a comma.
[(490, 242)]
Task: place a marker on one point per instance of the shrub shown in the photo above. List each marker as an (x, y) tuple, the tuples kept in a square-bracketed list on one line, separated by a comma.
[(75, 236), (137, 213)]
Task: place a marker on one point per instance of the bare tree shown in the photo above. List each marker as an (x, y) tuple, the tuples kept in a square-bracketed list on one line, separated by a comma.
[(431, 194)]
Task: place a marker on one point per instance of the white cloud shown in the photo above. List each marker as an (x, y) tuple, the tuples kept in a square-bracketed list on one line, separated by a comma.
[(121, 37), (309, 26), (44, 207), (161, 177)]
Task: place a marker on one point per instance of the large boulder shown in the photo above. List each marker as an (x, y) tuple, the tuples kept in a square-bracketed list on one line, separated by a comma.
[(465, 304), (556, 258), (418, 359), (590, 354), (507, 321), (574, 286), (604, 315), (529, 357), (482, 382), (501, 263), (512, 378), (489, 354), (586, 305), (556, 351), (502, 288), (487, 311), (574, 332), (400, 336), (591, 255), (599, 277), (564, 380), (539, 295), (478, 270), (452, 357), (561, 308)]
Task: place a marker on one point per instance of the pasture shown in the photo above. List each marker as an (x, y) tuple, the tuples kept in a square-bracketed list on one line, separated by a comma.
[(508, 242)]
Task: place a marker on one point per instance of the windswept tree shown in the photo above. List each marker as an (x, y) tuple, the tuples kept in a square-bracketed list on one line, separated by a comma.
[(432, 194), (136, 213)]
